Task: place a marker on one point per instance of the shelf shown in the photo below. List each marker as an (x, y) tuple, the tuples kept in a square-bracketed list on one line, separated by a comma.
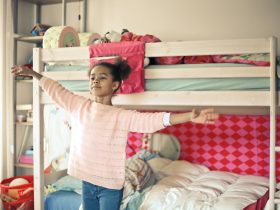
[(24, 123), (23, 165), (29, 81), (27, 38), (45, 2), (21, 107)]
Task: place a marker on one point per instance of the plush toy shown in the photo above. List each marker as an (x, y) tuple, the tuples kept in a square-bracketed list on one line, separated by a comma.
[(100, 40), (110, 36), (147, 38), (39, 29), (113, 36)]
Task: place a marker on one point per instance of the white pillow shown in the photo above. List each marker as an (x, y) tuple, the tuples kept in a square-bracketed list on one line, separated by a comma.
[(182, 168), (158, 163), (175, 181)]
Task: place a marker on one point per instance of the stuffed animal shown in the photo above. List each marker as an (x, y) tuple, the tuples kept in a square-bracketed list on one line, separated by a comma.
[(110, 36), (100, 40), (39, 29), (113, 36)]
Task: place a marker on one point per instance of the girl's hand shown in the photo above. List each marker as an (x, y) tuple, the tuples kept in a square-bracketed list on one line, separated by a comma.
[(206, 116), (20, 70)]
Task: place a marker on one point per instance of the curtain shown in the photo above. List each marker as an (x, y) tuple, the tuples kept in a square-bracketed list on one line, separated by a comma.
[(6, 90)]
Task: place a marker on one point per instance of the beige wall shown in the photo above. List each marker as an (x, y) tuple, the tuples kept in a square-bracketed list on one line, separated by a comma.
[(187, 19), (52, 14), (176, 19)]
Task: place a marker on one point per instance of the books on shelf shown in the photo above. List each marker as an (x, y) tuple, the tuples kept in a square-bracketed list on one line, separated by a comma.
[(26, 159)]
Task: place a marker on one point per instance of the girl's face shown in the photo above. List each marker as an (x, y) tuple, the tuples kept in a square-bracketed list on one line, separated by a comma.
[(101, 82)]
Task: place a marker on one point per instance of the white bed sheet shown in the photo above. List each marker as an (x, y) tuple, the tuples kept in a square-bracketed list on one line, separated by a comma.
[(186, 186)]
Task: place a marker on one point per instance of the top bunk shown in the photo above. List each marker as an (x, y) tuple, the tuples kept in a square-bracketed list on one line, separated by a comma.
[(253, 100)]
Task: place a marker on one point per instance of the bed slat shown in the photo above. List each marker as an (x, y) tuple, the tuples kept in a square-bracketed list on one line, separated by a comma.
[(210, 47), (213, 72), (187, 98), (183, 48), (65, 54), (172, 73)]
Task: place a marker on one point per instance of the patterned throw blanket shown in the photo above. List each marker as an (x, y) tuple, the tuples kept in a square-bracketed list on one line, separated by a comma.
[(138, 175)]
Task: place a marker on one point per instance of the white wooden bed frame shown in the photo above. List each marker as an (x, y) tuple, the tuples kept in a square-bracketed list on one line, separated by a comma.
[(242, 102)]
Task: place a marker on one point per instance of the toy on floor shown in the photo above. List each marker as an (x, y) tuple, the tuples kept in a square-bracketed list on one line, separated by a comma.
[(14, 193)]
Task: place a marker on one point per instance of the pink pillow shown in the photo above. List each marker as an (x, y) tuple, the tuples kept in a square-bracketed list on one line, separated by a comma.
[(169, 60), (259, 59), (198, 59)]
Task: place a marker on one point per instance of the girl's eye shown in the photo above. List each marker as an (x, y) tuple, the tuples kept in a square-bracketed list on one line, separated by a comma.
[(92, 78)]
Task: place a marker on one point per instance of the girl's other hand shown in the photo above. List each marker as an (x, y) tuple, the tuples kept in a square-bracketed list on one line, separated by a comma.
[(20, 70), (206, 116)]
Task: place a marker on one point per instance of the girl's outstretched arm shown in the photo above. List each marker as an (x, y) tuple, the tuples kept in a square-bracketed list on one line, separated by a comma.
[(60, 95), (20, 70), (205, 116)]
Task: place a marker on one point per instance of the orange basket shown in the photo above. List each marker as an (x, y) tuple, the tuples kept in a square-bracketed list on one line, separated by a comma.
[(25, 196)]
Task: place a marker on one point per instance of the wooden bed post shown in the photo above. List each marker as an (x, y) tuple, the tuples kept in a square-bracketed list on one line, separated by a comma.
[(273, 97), (38, 141)]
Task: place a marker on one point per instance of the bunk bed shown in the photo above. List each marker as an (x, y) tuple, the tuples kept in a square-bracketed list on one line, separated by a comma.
[(253, 101)]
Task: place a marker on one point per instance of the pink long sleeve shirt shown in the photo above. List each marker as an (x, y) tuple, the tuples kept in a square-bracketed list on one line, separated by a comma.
[(97, 153)]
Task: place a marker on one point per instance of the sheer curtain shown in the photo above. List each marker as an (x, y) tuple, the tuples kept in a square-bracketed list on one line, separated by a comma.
[(6, 89)]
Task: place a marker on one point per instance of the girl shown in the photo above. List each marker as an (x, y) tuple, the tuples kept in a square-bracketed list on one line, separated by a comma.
[(97, 156)]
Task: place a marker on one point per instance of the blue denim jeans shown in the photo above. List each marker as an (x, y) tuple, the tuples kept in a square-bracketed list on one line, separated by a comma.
[(100, 198)]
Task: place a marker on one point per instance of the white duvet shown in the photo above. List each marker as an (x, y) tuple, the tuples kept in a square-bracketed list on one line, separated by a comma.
[(186, 186)]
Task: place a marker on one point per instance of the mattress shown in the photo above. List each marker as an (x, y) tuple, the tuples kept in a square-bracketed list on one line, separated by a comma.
[(156, 183), (184, 185), (187, 84)]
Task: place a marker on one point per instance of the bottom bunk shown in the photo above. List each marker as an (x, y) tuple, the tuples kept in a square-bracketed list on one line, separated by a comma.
[(153, 182), (160, 181), (157, 179), (184, 185)]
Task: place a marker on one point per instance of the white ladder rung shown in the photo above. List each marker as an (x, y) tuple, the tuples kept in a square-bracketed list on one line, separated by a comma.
[(277, 200), (277, 149)]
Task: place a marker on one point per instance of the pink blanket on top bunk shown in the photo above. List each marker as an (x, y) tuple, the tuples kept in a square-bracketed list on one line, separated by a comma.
[(133, 52)]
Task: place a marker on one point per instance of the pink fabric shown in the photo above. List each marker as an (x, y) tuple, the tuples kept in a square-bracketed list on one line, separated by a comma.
[(147, 38), (129, 36), (133, 52), (258, 59), (236, 143), (198, 59), (169, 60), (259, 204)]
